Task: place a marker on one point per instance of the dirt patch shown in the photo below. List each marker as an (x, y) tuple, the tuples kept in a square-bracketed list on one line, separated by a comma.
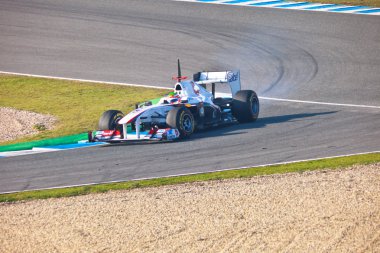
[(325, 211), (16, 123)]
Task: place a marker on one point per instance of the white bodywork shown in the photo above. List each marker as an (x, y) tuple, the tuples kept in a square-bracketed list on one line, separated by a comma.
[(186, 92)]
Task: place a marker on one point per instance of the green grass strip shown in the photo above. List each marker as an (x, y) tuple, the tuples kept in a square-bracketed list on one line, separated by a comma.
[(71, 139), (76, 105), (330, 163)]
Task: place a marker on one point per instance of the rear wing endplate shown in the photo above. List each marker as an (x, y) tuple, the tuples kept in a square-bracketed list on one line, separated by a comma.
[(232, 77)]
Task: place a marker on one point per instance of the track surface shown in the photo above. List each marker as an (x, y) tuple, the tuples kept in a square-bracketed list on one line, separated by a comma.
[(281, 53)]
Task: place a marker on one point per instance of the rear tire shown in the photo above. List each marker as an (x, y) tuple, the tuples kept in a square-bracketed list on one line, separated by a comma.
[(245, 106), (109, 120), (181, 119)]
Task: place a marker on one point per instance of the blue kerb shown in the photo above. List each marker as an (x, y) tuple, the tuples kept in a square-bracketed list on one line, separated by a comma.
[(71, 146), (350, 8), (237, 1), (369, 11), (287, 5), (283, 4), (266, 3), (321, 7), (207, 1)]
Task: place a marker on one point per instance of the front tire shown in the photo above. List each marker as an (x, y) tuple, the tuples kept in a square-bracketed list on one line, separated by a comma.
[(245, 106), (109, 120), (181, 119)]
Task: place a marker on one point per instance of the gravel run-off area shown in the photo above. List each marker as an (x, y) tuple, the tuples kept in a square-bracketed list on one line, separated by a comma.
[(17, 123), (321, 211)]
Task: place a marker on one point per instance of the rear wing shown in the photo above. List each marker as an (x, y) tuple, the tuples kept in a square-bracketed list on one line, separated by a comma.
[(232, 77)]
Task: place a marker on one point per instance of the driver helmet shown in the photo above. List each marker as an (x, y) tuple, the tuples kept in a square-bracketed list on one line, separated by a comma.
[(174, 98)]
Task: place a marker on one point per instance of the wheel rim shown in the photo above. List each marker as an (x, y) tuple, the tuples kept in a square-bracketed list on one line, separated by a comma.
[(187, 123), (116, 120)]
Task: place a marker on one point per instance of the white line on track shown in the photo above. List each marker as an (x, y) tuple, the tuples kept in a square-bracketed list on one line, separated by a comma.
[(194, 173), (83, 80), (24, 152), (166, 88), (319, 103), (38, 150)]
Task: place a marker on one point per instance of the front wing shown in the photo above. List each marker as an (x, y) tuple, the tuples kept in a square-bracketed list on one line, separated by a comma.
[(114, 136)]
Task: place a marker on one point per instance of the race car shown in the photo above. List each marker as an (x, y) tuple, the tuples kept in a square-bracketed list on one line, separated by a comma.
[(189, 107)]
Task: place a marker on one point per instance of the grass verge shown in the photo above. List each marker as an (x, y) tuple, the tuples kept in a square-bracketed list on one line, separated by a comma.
[(374, 3), (331, 163), (77, 105)]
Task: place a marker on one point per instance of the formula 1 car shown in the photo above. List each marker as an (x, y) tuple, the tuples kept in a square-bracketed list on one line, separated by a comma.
[(188, 108)]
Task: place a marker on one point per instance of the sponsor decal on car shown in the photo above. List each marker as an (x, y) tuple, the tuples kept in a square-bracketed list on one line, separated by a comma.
[(172, 134), (107, 134), (232, 76)]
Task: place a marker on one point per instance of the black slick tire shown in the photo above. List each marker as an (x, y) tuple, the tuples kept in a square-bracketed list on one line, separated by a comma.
[(109, 120), (245, 106), (181, 119)]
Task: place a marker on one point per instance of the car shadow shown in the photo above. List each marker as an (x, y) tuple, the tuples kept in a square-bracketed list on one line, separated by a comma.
[(259, 123), (262, 122), (231, 129)]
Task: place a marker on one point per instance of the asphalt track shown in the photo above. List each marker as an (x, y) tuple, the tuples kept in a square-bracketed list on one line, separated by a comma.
[(327, 57)]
